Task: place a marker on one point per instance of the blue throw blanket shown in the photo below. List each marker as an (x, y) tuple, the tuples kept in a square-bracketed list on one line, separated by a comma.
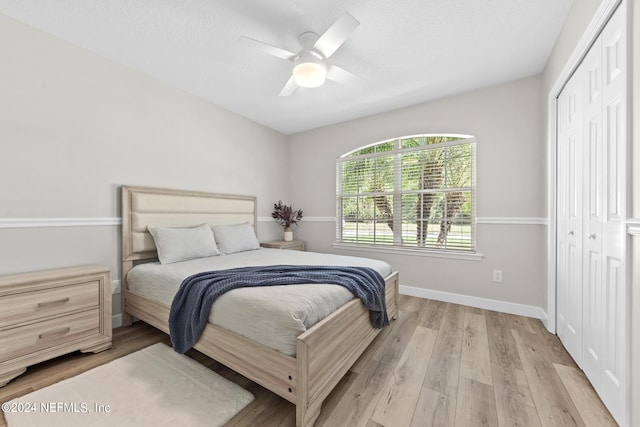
[(192, 304)]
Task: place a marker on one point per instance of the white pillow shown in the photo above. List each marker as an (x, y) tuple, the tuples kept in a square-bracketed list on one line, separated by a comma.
[(183, 244), (236, 238)]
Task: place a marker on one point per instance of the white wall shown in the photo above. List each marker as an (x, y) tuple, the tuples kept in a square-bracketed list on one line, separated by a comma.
[(506, 121), (75, 126)]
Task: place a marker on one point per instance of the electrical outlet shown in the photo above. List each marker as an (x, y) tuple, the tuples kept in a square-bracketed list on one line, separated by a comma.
[(497, 276)]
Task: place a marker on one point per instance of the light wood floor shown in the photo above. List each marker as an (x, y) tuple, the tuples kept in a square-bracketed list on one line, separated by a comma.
[(438, 365)]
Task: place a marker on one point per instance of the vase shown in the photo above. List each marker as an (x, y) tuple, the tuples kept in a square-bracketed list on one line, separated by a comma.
[(288, 234)]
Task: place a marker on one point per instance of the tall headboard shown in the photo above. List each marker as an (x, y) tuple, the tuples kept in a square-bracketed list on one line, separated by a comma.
[(144, 206)]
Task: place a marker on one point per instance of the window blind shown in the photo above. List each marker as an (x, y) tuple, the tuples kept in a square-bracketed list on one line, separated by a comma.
[(413, 192)]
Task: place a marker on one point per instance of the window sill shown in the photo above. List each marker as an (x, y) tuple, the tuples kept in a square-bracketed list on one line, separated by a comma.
[(466, 256)]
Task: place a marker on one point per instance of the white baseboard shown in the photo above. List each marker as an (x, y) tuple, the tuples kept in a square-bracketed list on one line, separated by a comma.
[(484, 303), (545, 321)]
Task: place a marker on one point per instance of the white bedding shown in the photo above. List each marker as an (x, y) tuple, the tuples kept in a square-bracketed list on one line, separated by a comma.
[(274, 315)]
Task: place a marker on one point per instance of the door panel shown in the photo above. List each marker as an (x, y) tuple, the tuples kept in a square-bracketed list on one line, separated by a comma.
[(613, 387), (594, 215), (569, 221)]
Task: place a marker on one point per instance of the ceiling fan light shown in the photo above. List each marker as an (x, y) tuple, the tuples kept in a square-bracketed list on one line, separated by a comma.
[(310, 74)]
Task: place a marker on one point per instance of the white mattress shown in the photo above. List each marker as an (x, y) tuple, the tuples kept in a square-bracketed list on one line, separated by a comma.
[(274, 315)]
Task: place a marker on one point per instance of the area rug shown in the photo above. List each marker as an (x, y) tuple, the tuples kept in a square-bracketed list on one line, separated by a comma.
[(153, 387)]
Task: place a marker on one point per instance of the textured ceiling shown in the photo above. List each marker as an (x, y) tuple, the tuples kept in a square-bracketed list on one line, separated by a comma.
[(405, 51)]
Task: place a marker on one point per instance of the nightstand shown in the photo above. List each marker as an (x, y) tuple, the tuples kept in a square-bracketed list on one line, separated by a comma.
[(49, 313), (294, 245)]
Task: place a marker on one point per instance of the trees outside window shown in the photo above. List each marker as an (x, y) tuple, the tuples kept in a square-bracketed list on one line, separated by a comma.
[(414, 191)]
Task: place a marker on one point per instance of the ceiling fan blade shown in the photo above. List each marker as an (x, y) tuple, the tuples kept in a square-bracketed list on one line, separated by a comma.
[(289, 87), (341, 75), (266, 47), (336, 35)]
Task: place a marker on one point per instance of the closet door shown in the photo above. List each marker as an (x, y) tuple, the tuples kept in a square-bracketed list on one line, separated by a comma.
[(593, 292), (612, 307), (591, 210), (569, 220)]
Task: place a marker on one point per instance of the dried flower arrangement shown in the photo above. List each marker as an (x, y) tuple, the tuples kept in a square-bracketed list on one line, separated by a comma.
[(285, 215)]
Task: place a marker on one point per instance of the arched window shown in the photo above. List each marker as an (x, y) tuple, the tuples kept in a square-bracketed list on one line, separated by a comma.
[(415, 192)]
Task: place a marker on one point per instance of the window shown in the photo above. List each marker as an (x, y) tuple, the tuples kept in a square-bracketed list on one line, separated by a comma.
[(412, 192)]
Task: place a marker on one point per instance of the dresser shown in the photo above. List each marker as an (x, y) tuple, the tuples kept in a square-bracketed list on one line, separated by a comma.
[(49, 313)]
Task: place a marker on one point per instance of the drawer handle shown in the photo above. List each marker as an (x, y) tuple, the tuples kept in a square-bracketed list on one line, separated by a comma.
[(50, 303), (54, 333)]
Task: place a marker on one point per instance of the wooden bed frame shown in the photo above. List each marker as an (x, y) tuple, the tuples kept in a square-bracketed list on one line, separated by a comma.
[(324, 353)]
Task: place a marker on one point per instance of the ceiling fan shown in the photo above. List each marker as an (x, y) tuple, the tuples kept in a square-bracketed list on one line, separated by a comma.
[(310, 67)]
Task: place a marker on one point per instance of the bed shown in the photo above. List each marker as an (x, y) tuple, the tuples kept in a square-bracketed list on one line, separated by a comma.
[(323, 353)]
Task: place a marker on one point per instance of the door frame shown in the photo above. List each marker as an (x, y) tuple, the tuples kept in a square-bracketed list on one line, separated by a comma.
[(598, 22)]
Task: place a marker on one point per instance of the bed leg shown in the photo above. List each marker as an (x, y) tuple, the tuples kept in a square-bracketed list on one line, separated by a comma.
[(127, 319), (306, 417)]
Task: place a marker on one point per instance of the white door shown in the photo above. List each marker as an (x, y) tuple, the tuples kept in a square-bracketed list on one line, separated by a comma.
[(569, 221), (613, 307), (592, 301), (591, 211)]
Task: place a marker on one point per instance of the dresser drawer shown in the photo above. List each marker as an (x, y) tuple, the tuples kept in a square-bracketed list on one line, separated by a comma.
[(29, 306), (43, 335)]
